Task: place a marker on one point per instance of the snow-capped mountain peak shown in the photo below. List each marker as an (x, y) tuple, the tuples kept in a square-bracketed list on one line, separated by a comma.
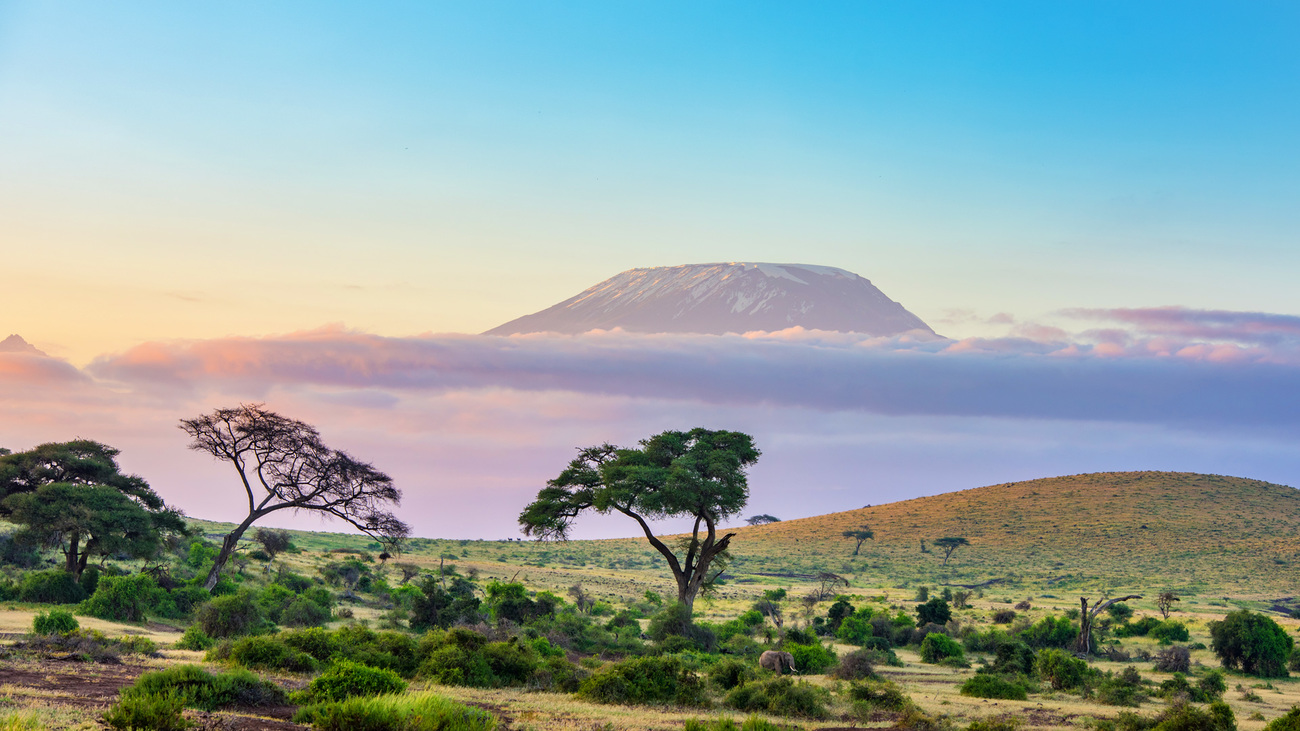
[(725, 297)]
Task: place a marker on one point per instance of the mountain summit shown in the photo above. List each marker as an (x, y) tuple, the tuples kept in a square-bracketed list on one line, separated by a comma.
[(16, 344), (720, 298)]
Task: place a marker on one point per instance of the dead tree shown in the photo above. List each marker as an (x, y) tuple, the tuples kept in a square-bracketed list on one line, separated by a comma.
[(1165, 603), (1083, 644), (283, 465), (827, 583)]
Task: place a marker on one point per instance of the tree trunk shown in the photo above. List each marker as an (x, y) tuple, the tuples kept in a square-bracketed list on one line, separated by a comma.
[(1083, 643), (228, 545), (73, 561)]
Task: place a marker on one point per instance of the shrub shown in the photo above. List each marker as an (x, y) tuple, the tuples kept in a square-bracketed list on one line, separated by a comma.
[(1120, 611), (153, 712), (675, 620), (1140, 628), (1061, 669), (646, 680), (753, 723), (229, 616), (345, 679), (1014, 657), (1121, 689), (89, 580), (731, 672), (270, 653), (935, 611), (199, 688), (985, 685), (996, 723), (936, 647), (50, 587), (406, 712), (1004, 616), (1176, 659), (811, 659), (1170, 631), (195, 639), (1252, 641), (880, 695), (137, 644), (1050, 632), (1288, 722), (54, 622), (780, 697), (122, 598), (303, 612), (857, 665)]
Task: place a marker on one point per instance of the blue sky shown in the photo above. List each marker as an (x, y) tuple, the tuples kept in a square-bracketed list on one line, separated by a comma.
[(213, 172)]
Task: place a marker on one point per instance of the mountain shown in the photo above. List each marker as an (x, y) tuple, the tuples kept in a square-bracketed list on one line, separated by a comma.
[(1145, 530), (15, 344), (720, 298)]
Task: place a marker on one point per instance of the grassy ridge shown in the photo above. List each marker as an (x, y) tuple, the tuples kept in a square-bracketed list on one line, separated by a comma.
[(1198, 534), (1189, 531)]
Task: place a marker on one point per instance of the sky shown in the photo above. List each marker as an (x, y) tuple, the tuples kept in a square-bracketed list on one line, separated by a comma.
[(316, 205)]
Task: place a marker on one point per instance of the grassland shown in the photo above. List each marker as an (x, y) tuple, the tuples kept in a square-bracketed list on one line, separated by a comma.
[(1220, 542)]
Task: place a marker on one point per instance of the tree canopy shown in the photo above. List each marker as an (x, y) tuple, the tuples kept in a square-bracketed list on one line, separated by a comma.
[(950, 544), (73, 495), (860, 535), (698, 474), (283, 465)]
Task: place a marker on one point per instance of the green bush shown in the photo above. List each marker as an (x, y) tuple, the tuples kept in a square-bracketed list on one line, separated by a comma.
[(89, 580), (1015, 658), (303, 612), (936, 647), (345, 679), (780, 697), (811, 659), (985, 685), (1140, 628), (1252, 642), (1121, 689), (646, 680), (406, 712), (935, 611), (1050, 632), (675, 620), (1288, 722), (1170, 631), (151, 712), (50, 587), (195, 639), (730, 672), (229, 616), (996, 723), (198, 688), (54, 622), (1061, 669), (270, 653), (122, 598), (880, 695)]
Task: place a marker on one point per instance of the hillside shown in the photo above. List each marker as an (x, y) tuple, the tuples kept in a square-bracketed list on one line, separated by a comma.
[(1179, 530), (1204, 535)]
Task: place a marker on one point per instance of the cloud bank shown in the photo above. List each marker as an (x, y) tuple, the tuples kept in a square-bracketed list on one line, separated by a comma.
[(460, 419)]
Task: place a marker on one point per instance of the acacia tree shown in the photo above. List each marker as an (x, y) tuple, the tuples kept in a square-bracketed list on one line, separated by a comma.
[(273, 541), (73, 495), (283, 465), (861, 535), (948, 544), (698, 474)]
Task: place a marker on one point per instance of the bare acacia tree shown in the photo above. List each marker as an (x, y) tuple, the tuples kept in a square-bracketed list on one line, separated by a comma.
[(1083, 643), (1165, 602), (283, 465)]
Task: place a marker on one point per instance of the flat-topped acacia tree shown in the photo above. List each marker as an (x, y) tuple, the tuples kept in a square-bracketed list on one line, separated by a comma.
[(283, 465), (698, 474)]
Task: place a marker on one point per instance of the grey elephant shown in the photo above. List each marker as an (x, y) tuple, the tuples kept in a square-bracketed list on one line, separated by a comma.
[(776, 661)]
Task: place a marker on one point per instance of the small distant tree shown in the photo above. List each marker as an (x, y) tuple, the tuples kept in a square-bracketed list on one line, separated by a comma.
[(1165, 603), (949, 544), (581, 599), (934, 611), (860, 535), (283, 465), (827, 583), (1253, 642), (273, 541), (409, 570), (763, 519)]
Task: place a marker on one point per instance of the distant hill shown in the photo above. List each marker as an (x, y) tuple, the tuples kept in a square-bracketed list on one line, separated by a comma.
[(733, 297), (1159, 529)]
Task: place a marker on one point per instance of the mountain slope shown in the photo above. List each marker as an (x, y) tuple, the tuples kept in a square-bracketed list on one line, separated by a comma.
[(1157, 529), (721, 298)]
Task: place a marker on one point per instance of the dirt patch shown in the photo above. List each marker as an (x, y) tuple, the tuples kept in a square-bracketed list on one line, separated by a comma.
[(77, 684), (262, 718)]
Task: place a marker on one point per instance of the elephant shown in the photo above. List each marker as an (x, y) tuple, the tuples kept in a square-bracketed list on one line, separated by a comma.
[(777, 661)]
